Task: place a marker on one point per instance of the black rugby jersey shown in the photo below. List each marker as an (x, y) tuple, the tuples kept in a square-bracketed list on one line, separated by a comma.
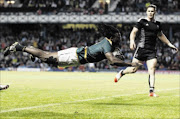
[(96, 52), (148, 33)]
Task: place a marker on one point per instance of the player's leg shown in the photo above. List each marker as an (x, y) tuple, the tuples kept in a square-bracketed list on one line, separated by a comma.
[(48, 57), (151, 64), (45, 56), (128, 70)]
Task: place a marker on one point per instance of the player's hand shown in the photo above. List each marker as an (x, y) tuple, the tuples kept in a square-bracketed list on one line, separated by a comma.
[(175, 50), (132, 45), (134, 64)]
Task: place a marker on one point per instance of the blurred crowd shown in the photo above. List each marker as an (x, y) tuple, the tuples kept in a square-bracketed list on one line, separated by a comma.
[(89, 7), (53, 37), (163, 6)]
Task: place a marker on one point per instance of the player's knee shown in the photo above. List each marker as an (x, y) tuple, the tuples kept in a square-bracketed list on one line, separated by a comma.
[(51, 60), (134, 69), (152, 69)]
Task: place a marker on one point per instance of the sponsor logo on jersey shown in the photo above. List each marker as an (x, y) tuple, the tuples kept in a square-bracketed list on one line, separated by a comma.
[(147, 24)]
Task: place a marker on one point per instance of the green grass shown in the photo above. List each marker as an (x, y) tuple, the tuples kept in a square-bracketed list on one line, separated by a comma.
[(67, 95)]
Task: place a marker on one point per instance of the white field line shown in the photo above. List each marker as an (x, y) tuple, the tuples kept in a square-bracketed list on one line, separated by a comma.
[(85, 100)]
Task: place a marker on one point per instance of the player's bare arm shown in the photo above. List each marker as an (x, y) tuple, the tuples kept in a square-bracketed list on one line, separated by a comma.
[(132, 38), (164, 39), (115, 61)]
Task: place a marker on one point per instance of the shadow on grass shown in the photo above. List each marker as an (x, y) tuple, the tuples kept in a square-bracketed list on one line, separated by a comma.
[(133, 103), (140, 101), (130, 104), (41, 114)]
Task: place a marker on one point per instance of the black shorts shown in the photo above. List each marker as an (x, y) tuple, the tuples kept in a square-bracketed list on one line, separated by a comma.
[(144, 54)]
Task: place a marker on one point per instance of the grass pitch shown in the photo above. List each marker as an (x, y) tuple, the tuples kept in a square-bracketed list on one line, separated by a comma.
[(72, 95)]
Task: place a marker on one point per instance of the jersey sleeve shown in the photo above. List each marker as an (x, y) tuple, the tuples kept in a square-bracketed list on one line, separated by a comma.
[(160, 27), (138, 24), (107, 47)]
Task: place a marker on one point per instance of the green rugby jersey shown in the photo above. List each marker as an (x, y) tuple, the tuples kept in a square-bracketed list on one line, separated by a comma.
[(96, 52)]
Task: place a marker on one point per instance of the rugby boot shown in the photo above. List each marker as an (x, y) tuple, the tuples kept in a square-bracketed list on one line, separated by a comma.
[(152, 94), (13, 48), (3, 87), (118, 76)]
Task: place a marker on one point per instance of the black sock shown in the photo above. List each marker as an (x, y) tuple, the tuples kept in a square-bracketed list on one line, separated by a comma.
[(151, 89), (122, 73)]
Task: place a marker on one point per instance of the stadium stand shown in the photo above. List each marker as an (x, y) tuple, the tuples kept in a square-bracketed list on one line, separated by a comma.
[(88, 6), (164, 6)]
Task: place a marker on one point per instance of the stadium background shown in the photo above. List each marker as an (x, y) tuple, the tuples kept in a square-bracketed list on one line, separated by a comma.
[(53, 25), (58, 24)]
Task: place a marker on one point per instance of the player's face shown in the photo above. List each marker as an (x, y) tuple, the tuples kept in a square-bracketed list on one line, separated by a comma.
[(150, 12), (116, 40)]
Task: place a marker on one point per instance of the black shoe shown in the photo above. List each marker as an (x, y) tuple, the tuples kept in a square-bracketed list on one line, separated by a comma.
[(13, 48), (3, 87)]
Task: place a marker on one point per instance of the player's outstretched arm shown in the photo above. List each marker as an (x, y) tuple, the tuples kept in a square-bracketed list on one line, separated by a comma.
[(164, 39), (115, 61)]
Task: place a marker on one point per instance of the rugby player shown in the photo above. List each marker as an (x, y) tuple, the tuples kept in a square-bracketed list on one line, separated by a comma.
[(150, 30), (76, 56)]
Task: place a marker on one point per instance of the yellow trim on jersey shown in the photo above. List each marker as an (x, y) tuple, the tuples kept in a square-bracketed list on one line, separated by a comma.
[(85, 53), (109, 41)]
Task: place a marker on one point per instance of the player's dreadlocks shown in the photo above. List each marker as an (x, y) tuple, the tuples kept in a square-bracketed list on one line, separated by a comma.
[(108, 31)]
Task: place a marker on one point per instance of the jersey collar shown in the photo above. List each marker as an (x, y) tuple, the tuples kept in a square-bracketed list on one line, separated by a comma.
[(109, 40), (150, 21)]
